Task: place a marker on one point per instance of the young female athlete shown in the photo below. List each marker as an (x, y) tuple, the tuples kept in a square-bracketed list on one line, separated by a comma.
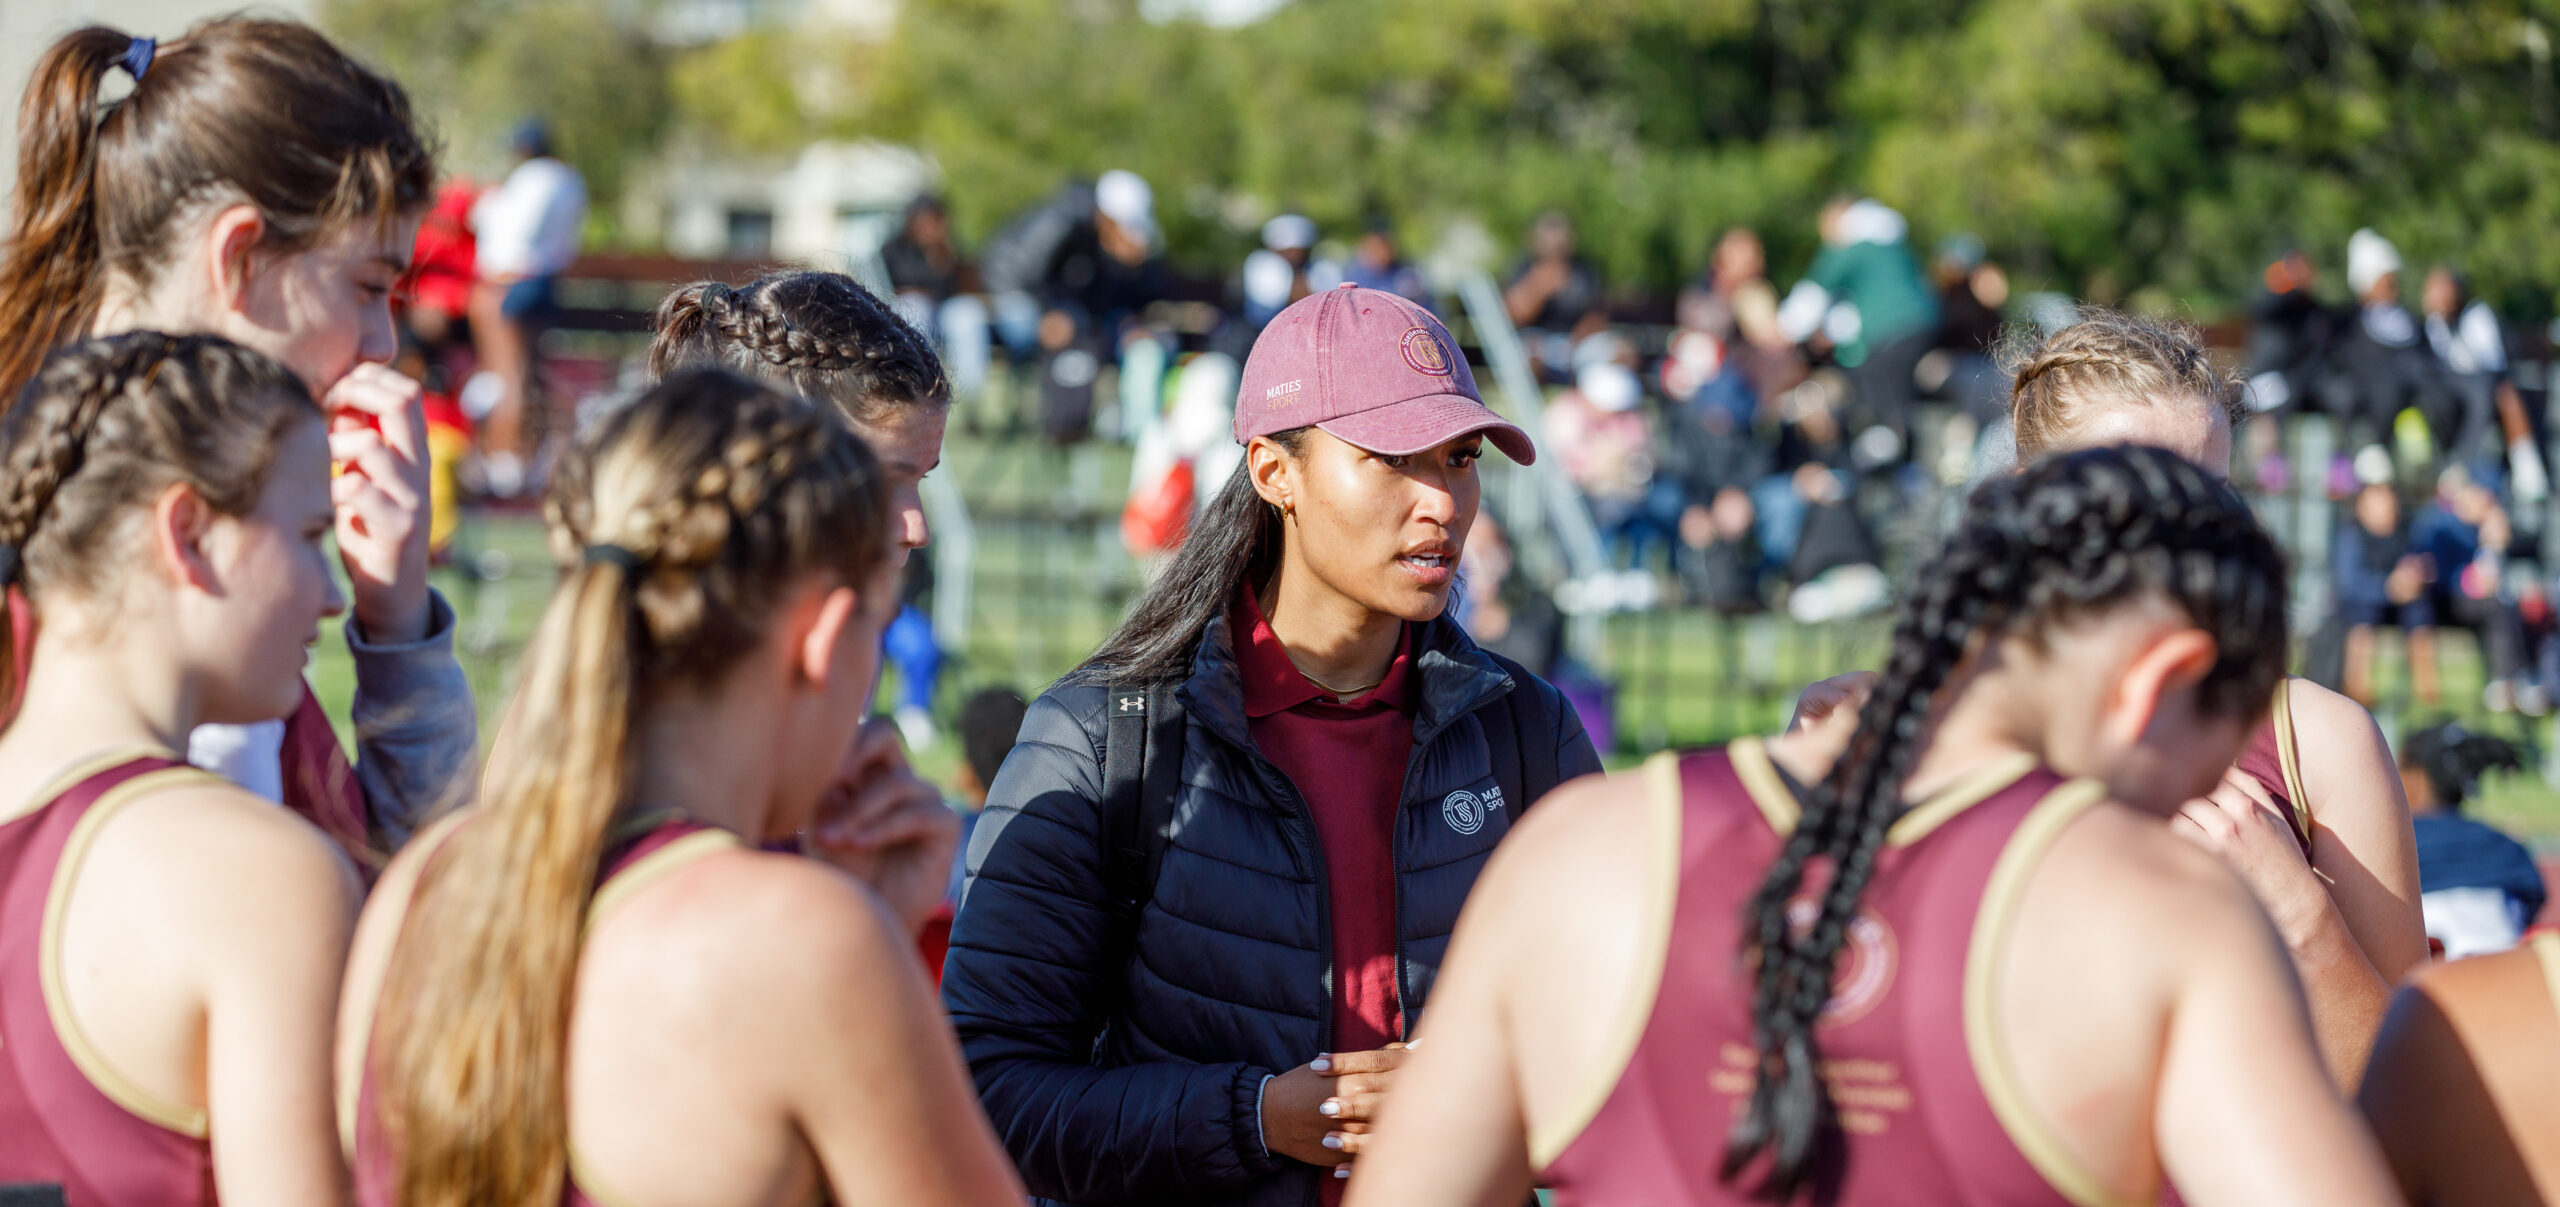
[(258, 184), (2464, 1092), (822, 335), (592, 986), (170, 945), (1969, 964), (2312, 815)]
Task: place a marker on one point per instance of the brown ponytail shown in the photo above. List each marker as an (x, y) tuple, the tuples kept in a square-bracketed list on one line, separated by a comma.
[(104, 428), (679, 526), (49, 276), (270, 113)]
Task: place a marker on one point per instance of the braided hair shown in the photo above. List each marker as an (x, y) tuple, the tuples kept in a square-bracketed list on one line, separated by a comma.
[(818, 334), (2075, 535), (107, 425), (2106, 358), (681, 526)]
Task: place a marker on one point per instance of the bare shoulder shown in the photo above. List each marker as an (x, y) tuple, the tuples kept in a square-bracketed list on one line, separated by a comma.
[(745, 925), (1581, 844), (2343, 755), (208, 842), (2486, 992), (2119, 868)]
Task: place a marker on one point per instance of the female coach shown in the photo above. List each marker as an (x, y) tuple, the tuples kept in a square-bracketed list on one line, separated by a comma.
[(1215, 880)]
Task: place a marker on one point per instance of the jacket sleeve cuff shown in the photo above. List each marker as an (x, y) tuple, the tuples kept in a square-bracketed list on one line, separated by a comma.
[(417, 733), (1252, 1153)]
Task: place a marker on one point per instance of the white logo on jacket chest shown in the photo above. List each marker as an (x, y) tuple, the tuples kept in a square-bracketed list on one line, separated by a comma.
[(1466, 812)]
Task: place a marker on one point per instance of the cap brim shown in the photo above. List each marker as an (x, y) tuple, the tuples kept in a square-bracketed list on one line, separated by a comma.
[(1401, 429)]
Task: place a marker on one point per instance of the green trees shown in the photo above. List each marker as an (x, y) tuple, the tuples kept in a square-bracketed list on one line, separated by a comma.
[(2101, 146)]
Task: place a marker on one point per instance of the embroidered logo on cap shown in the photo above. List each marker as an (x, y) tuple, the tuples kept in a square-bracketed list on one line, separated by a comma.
[(1423, 351), (1283, 390)]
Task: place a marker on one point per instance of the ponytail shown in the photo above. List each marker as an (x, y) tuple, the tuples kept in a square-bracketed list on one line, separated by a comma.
[(239, 110), (680, 527), (480, 1094), (49, 278), (1233, 547), (2074, 535)]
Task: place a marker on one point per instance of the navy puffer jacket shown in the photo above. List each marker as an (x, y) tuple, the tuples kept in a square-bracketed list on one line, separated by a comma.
[(1233, 962)]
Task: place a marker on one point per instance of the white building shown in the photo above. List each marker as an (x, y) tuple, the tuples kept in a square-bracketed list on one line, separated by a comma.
[(832, 204)]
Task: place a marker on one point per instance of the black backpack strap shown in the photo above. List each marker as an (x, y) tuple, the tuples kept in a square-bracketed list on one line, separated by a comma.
[(1141, 777), (1124, 757), (1160, 780)]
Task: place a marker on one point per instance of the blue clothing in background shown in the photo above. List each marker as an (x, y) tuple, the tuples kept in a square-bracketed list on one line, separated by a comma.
[(2457, 852)]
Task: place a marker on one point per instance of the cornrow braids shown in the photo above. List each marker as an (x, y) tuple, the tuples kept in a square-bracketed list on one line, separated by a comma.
[(2075, 535), (104, 427), (2106, 358), (819, 334), (681, 525)]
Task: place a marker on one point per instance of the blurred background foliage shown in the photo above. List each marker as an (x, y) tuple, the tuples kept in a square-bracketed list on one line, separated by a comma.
[(2123, 150)]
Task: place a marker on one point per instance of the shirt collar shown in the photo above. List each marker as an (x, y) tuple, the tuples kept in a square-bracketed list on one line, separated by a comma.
[(1272, 683)]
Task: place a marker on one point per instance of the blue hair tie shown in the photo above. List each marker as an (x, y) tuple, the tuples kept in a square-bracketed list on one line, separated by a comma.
[(137, 56)]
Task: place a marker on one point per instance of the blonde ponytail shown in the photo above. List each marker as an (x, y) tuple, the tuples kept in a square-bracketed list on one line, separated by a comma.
[(679, 527)]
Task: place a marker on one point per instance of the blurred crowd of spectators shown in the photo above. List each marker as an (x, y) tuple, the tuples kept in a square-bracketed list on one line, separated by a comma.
[(1749, 446)]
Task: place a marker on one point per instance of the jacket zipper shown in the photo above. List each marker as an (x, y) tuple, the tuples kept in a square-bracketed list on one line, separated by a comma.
[(1395, 860), (1301, 825), (1302, 822)]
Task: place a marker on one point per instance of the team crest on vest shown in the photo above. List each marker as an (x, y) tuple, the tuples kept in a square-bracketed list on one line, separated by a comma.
[(1466, 811), (1866, 962)]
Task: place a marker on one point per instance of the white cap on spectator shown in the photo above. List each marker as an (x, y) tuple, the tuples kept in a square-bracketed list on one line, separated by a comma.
[(2373, 466), (1289, 232), (2370, 257), (1124, 197)]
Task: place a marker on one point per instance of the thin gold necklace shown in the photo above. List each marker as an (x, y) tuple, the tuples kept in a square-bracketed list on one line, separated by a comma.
[(1340, 693)]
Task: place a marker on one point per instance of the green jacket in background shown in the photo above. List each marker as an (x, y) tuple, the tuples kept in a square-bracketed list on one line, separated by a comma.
[(1883, 281)]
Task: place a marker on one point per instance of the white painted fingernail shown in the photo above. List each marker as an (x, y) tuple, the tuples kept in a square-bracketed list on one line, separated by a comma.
[(1342, 1170), (1321, 1064), (1333, 1139), (1329, 1108)]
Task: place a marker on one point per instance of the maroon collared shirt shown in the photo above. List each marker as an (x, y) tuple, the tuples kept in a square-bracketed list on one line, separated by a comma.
[(1348, 762)]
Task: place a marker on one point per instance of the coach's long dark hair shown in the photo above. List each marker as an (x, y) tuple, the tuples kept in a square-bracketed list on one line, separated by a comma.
[(2075, 535), (1236, 541)]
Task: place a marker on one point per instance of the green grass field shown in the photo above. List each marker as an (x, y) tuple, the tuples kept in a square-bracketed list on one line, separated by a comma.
[(1052, 578)]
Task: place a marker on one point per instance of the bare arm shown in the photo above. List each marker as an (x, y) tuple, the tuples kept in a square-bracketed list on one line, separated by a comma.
[(270, 919), (2246, 1113), (1539, 978), (2367, 855), (864, 1062), (1456, 1132), (2430, 1098)]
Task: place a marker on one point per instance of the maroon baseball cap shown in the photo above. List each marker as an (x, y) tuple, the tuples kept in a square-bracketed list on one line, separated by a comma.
[(1375, 370)]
